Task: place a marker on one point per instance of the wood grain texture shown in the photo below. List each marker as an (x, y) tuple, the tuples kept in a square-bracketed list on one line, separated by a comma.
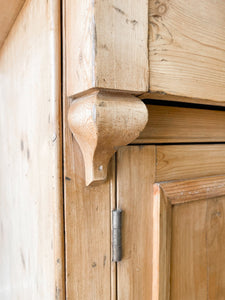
[(168, 124), (31, 205), (178, 192), (189, 161), (187, 48), (198, 231), (135, 177), (87, 229), (161, 245), (106, 45), (189, 239), (189, 251), (89, 273), (8, 13), (101, 123)]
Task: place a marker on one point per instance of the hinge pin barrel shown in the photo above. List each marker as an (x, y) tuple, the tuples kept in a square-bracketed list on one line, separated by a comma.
[(116, 235)]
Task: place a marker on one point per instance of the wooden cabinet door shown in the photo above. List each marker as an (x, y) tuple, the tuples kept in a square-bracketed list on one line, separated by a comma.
[(173, 236), (189, 239)]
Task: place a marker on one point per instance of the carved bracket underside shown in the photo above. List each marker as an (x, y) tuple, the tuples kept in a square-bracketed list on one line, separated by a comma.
[(102, 122)]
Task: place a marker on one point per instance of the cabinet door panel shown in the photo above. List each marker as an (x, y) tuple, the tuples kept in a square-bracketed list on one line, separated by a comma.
[(189, 161), (173, 231), (189, 239)]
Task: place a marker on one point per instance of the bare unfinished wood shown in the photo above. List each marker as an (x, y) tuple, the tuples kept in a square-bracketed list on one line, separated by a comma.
[(31, 206), (135, 178), (189, 161), (172, 236), (102, 122), (168, 124), (106, 45), (189, 240), (178, 192), (199, 238), (162, 214), (8, 13), (186, 48), (89, 273), (87, 230)]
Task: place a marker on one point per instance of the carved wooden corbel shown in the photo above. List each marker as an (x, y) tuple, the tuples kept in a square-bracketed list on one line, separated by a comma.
[(102, 122)]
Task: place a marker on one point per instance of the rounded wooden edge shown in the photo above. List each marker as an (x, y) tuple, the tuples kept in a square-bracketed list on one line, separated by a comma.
[(102, 122)]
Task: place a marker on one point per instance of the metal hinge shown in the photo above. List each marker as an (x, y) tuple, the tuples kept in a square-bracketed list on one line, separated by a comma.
[(116, 235)]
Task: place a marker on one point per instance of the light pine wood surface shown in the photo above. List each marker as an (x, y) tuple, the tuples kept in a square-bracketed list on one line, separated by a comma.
[(135, 178), (172, 231), (198, 231), (187, 48), (157, 49), (189, 239), (178, 192), (160, 49), (31, 204), (161, 225), (106, 45), (87, 210), (101, 123), (171, 124), (87, 228), (177, 162), (87, 233), (177, 52), (8, 13)]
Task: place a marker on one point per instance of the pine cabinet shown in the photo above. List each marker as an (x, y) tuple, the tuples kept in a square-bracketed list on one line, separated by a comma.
[(112, 106)]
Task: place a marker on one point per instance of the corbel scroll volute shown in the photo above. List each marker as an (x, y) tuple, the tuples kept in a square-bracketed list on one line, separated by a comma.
[(101, 122)]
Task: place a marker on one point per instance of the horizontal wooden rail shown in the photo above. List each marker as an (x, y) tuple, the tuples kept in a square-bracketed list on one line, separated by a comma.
[(167, 124)]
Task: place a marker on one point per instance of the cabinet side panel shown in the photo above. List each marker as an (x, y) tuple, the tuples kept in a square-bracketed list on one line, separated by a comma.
[(31, 252), (135, 178), (8, 14)]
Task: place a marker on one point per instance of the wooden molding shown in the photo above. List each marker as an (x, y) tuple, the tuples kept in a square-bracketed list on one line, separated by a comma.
[(102, 122), (167, 195)]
